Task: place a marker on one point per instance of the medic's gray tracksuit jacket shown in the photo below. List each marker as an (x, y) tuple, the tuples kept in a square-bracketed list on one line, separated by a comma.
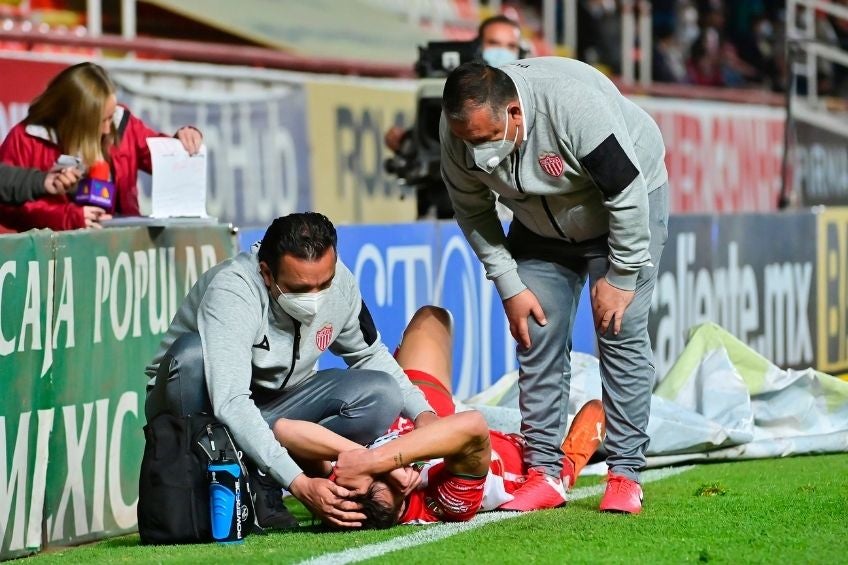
[(265, 352), (610, 153)]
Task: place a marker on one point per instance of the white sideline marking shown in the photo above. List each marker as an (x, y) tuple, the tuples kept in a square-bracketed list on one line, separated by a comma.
[(428, 534)]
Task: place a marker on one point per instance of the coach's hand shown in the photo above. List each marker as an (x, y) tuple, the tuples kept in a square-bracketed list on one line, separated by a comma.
[(327, 500), (608, 306), (518, 310)]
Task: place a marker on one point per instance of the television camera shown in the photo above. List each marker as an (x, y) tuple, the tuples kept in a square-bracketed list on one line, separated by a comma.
[(416, 162)]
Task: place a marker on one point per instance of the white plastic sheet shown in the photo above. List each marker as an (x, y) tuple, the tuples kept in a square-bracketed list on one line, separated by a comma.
[(720, 401)]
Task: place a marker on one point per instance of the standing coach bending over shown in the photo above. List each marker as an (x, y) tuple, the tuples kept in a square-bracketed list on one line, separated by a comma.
[(581, 167), (250, 332)]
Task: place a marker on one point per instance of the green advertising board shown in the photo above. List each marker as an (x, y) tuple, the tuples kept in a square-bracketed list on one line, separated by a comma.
[(81, 314)]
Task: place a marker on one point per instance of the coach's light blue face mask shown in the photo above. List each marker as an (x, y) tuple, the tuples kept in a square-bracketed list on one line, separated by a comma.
[(498, 56), (488, 155), (302, 306)]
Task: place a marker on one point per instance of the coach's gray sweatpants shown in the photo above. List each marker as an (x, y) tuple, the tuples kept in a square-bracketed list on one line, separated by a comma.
[(555, 272)]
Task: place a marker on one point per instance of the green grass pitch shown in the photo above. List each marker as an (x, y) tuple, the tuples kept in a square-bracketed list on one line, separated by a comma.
[(792, 510)]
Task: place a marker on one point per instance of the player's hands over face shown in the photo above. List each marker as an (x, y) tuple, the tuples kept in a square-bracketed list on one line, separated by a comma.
[(60, 182), (608, 306), (327, 500), (191, 139), (353, 470), (518, 310), (94, 215), (405, 479)]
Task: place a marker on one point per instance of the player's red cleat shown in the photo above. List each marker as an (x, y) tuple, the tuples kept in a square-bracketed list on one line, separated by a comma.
[(622, 495), (583, 439), (539, 492)]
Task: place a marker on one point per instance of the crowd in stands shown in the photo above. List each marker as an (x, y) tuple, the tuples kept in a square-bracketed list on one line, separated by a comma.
[(700, 42), (716, 43), (713, 43)]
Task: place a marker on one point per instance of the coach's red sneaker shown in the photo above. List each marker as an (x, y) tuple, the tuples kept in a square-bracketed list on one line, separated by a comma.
[(539, 492), (622, 495), (582, 440)]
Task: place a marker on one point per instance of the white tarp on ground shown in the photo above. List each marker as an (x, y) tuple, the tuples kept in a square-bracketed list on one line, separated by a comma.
[(721, 400)]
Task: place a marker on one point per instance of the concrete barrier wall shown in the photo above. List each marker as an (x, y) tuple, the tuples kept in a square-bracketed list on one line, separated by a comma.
[(81, 314)]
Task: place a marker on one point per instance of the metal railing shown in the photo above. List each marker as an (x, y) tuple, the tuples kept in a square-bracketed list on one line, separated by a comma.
[(636, 29), (805, 50), (257, 57), (636, 34), (208, 52), (805, 39), (635, 23)]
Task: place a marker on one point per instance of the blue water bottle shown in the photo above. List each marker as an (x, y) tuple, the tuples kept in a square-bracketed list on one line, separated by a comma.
[(225, 500)]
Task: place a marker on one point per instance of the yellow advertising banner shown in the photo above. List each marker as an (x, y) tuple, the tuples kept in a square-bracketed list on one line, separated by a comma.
[(346, 126), (832, 302)]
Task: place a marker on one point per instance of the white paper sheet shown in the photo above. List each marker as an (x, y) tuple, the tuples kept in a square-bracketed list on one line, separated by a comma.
[(179, 179)]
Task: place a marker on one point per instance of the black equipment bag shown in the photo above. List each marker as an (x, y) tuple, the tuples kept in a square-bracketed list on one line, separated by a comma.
[(173, 489)]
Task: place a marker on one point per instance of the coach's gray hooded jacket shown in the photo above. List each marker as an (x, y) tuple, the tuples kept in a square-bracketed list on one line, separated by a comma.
[(612, 155), (249, 342)]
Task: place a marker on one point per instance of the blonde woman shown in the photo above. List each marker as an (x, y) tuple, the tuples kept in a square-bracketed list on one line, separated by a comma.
[(78, 115)]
